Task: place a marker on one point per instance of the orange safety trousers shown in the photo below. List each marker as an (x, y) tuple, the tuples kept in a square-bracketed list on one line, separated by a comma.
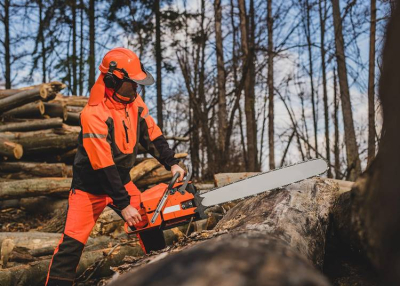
[(83, 211)]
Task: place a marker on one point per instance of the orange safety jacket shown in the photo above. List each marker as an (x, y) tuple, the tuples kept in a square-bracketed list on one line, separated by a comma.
[(108, 144)]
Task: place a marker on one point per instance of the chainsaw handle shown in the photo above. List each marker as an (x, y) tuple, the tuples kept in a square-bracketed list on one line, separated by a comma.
[(173, 180)]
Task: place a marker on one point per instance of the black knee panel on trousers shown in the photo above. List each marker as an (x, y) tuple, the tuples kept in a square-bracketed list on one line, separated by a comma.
[(66, 260)]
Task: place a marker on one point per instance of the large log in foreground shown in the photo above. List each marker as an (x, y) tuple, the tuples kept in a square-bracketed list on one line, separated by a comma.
[(367, 219), (34, 187), (276, 238)]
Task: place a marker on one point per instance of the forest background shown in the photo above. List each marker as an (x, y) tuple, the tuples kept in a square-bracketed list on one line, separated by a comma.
[(254, 84)]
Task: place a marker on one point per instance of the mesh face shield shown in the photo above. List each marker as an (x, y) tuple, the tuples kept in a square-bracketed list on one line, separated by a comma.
[(127, 90)]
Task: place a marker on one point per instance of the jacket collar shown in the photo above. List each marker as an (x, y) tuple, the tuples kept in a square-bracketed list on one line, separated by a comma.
[(110, 102)]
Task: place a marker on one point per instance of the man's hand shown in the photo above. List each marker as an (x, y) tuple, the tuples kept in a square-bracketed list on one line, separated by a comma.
[(131, 215), (176, 169)]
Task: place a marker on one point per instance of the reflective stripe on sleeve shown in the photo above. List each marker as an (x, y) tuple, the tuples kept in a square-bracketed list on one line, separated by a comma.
[(94, 135)]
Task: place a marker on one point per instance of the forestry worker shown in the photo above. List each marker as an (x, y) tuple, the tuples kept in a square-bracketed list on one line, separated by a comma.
[(113, 123)]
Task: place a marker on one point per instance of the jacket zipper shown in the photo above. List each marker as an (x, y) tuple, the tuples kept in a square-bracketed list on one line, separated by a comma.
[(126, 131)]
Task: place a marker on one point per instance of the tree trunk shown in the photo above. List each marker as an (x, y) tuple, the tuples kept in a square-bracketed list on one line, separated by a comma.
[(336, 123), (158, 52), (353, 160), (92, 42), (29, 110), (6, 44), (221, 80), (248, 55), (32, 125), (322, 19), (279, 235), (34, 187), (35, 169), (371, 86), (42, 42), (307, 28), (74, 54), (369, 216), (81, 40), (270, 83), (10, 149)]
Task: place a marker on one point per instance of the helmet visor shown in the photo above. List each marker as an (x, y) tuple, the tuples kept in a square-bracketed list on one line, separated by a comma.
[(128, 90)]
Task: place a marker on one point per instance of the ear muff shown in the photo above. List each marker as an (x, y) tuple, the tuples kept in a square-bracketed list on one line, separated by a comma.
[(109, 79)]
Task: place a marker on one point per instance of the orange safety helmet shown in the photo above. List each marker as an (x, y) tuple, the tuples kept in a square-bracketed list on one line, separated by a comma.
[(127, 63)]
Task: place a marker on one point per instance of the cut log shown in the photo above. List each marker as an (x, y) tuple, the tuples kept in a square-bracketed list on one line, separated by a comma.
[(34, 187), (73, 118), (35, 169), (276, 238), (31, 110), (79, 101), (32, 125), (8, 92), (10, 149), (44, 140), (34, 274), (156, 176), (56, 110), (74, 109), (148, 165), (41, 92)]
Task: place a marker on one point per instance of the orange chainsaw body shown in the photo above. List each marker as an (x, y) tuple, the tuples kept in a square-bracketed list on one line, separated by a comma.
[(178, 209)]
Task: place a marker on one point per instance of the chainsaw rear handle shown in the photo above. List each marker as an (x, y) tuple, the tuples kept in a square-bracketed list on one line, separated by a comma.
[(173, 180)]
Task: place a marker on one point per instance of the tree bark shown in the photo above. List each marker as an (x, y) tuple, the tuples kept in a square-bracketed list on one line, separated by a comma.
[(73, 118), (159, 59), (34, 274), (270, 83), (46, 91), (30, 110), (51, 140), (336, 123), (92, 44), (353, 160), (221, 81), (371, 86), (143, 168), (10, 149), (34, 187), (55, 110), (281, 234), (6, 44), (35, 169), (322, 19), (32, 125), (369, 216)]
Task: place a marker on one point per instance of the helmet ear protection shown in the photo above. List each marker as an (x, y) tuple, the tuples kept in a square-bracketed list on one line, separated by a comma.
[(110, 80)]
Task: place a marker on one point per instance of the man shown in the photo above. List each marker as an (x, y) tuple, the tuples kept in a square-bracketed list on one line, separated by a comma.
[(114, 122)]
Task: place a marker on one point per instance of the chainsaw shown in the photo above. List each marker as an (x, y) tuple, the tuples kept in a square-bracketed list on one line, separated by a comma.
[(166, 206)]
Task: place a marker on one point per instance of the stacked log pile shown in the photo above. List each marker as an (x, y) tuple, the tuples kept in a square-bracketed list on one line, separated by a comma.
[(38, 137)]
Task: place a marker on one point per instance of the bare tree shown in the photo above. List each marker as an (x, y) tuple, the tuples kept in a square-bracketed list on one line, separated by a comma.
[(221, 80), (322, 9), (270, 83), (5, 18), (371, 85), (158, 63), (248, 55), (92, 38), (353, 160)]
